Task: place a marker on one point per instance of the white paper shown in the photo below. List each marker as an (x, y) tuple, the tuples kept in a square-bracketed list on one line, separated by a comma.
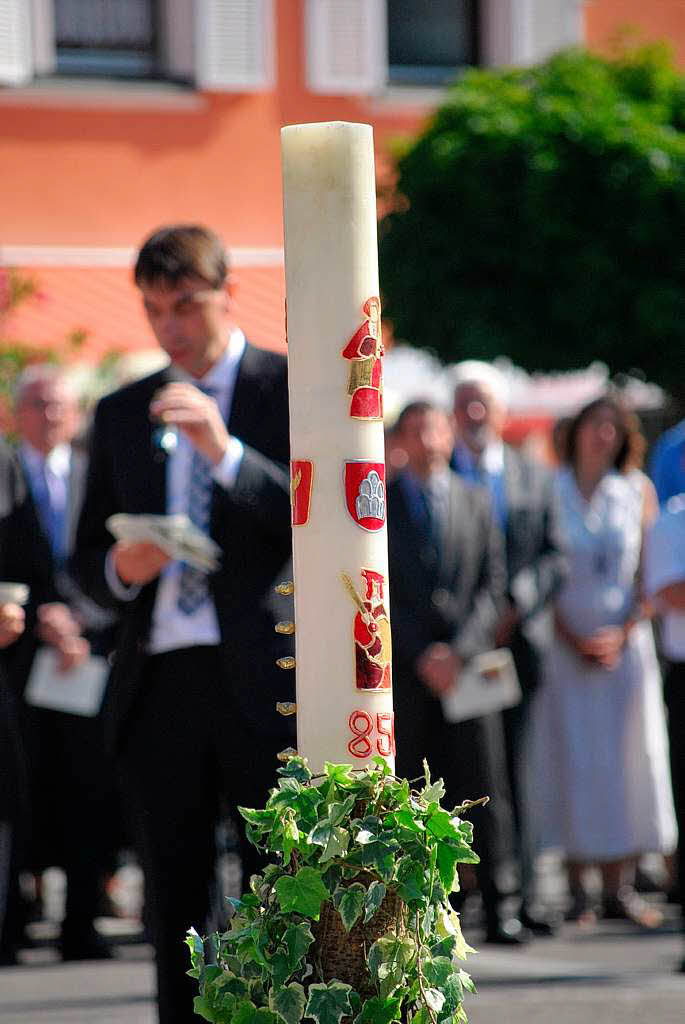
[(176, 535), (78, 691), (13, 593), (487, 683)]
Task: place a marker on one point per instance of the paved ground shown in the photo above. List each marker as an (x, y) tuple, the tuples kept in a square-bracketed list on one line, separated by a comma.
[(611, 972)]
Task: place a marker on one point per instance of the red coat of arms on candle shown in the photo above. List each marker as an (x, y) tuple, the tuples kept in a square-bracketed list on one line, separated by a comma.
[(365, 351), (372, 644), (365, 493), (301, 477)]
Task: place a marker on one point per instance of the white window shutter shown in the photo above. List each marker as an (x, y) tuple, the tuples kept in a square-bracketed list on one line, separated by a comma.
[(234, 45), (16, 52), (347, 46), (556, 24), (523, 32)]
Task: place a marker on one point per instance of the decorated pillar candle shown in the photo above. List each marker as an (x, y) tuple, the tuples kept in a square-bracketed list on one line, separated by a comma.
[(342, 635)]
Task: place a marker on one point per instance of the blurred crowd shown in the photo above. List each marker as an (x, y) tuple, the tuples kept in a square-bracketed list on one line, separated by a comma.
[(572, 569)]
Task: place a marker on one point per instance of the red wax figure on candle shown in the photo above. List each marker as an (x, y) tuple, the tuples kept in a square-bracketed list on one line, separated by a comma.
[(365, 351), (372, 637)]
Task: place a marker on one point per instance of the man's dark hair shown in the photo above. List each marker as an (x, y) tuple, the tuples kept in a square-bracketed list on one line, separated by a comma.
[(412, 409), (182, 250)]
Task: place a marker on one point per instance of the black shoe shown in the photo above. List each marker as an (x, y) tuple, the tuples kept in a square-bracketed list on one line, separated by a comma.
[(8, 957), (86, 947), (509, 932), (538, 926)]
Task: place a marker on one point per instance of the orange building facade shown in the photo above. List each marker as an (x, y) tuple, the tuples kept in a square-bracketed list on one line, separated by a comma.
[(94, 157)]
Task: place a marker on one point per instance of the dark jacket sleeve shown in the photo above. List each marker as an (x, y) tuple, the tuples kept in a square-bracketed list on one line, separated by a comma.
[(475, 635), (535, 584), (93, 539)]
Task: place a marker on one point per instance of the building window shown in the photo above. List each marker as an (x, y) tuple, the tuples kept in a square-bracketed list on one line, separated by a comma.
[(106, 37), (430, 40)]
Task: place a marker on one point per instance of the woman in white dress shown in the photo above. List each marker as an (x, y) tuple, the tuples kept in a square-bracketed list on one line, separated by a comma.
[(602, 785)]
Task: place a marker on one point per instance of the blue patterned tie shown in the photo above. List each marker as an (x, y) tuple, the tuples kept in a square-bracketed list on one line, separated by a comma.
[(193, 589)]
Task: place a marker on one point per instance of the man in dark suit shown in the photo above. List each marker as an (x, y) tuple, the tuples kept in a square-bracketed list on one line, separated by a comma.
[(191, 708), (522, 497), (447, 584), (71, 785)]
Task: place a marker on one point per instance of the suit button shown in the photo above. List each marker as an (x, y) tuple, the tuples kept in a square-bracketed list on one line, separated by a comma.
[(440, 598)]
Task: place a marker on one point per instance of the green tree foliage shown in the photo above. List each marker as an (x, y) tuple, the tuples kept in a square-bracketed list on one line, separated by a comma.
[(541, 215)]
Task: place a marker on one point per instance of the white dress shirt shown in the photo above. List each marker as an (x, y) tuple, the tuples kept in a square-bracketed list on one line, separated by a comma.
[(171, 628)]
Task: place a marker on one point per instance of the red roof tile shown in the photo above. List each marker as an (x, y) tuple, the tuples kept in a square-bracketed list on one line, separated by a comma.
[(103, 302)]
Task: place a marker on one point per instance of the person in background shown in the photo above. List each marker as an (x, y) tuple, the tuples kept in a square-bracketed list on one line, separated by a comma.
[(665, 583), (447, 579), (74, 807), (522, 496), (191, 706), (13, 787), (602, 783), (667, 463)]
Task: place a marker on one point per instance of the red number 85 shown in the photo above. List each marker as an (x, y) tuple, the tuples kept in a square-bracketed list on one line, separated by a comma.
[(361, 726)]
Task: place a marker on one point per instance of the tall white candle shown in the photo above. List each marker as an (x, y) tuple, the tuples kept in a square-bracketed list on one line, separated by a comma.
[(344, 696)]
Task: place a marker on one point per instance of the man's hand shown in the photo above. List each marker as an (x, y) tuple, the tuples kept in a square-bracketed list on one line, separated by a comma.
[(196, 415), (438, 668), (11, 623), (506, 626), (138, 561), (58, 627)]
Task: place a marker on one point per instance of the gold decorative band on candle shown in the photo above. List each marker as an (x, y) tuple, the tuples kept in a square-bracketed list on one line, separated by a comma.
[(285, 588), (285, 628), (286, 708), (286, 754), (287, 662)]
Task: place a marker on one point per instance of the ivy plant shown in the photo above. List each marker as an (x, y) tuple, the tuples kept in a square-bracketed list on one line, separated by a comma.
[(348, 843)]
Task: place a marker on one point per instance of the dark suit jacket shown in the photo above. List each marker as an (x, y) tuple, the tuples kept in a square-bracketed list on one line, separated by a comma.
[(535, 565), (455, 598), (250, 522)]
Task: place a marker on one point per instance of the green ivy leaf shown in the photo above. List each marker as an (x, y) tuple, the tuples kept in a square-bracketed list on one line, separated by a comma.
[(296, 768), (375, 895), (279, 966), (258, 817), (388, 959), (412, 886), (332, 838), (434, 999), (404, 819), (338, 773), (247, 1013), (289, 1003), (291, 836), (297, 938), (381, 763), (447, 866), (197, 951), (440, 825), (433, 792), (437, 970), (304, 893), (467, 981), (328, 1004), (338, 811), (380, 1011), (351, 904)]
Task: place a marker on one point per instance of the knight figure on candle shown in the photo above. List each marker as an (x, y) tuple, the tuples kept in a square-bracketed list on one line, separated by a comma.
[(372, 635), (365, 351)]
